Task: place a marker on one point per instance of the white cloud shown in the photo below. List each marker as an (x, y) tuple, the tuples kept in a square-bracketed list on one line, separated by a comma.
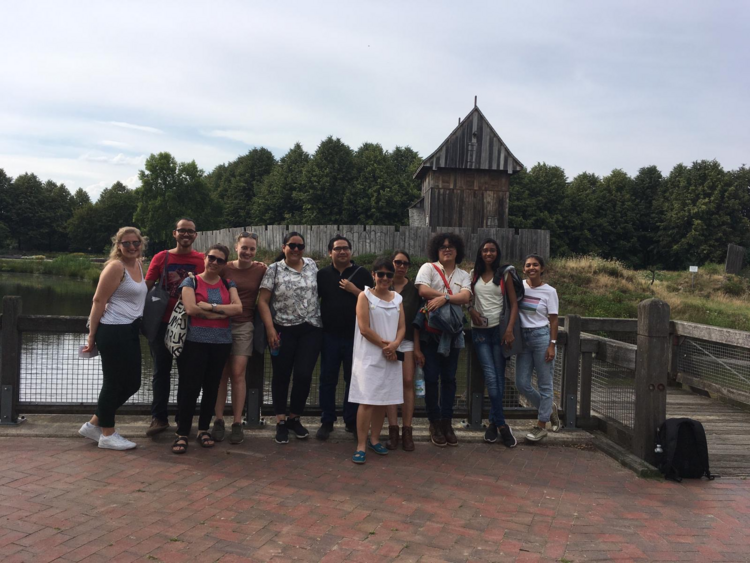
[(117, 159), (125, 125), (115, 144)]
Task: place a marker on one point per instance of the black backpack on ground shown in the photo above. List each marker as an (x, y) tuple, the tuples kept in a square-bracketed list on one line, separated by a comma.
[(685, 451)]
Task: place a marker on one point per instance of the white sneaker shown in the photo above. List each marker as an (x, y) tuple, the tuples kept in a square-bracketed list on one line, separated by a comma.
[(115, 442), (554, 419), (91, 432)]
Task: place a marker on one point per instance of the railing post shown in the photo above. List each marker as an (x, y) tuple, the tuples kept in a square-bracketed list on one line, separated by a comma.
[(475, 386), (584, 407), (651, 373), (254, 385), (10, 366), (570, 367)]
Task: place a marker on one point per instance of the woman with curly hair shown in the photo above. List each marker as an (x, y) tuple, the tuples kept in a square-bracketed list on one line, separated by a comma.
[(442, 283), (114, 329)]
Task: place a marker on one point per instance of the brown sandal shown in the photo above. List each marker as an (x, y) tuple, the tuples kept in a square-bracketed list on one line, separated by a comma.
[(205, 439)]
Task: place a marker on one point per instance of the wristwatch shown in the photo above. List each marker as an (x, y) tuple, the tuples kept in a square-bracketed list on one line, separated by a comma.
[(447, 297), (553, 341), (213, 306)]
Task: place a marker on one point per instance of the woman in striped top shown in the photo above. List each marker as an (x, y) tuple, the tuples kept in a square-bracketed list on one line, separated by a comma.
[(115, 322)]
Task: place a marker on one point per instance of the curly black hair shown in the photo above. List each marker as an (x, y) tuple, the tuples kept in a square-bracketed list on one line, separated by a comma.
[(433, 248)]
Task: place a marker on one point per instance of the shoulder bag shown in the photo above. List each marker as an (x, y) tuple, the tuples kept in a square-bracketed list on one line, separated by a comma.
[(177, 328), (260, 339), (156, 304)]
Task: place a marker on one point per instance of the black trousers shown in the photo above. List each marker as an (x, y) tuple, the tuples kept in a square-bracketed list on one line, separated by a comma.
[(162, 375), (300, 347), (120, 349), (200, 366)]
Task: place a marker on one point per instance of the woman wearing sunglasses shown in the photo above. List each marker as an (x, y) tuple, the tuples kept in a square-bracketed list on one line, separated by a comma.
[(209, 302), (377, 379), (114, 328), (412, 353), (294, 331)]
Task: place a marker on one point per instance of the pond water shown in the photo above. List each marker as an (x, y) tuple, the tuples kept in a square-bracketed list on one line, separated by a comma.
[(48, 295)]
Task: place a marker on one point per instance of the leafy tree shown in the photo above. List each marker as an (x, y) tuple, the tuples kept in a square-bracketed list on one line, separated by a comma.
[(365, 202), (80, 198), (406, 190), (57, 209), (235, 184), (645, 188), (24, 211), (704, 210), (6, 184), (535, 197), (582, 221), (274, 202), (616, 212), (82, 233), (325, 181), (170, 190)]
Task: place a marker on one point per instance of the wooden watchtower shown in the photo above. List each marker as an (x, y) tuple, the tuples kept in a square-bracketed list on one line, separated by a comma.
[(465, 181)]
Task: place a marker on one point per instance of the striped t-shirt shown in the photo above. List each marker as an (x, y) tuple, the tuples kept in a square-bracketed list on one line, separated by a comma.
[(537, 303)]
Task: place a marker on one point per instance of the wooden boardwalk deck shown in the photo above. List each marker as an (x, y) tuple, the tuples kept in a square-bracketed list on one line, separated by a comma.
[(727, 430)]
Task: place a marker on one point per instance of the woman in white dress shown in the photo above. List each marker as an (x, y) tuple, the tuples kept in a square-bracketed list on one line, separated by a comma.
[(377, 378)]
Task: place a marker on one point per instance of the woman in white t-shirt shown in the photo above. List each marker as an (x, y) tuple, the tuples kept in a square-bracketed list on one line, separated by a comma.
[(538, 314)]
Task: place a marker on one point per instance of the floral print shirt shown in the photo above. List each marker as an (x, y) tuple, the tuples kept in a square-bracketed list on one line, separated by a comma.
[(294, 295)]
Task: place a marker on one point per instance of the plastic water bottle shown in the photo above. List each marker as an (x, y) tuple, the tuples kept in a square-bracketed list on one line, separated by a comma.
[(275, 351), (419, 383)]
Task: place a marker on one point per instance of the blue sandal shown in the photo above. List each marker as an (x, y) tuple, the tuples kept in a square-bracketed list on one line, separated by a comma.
[(378, 448), (358, 457)]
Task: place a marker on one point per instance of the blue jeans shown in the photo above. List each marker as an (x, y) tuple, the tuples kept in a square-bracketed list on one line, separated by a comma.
[(489, 348), (535, 344), (439, 370), (336, 350)]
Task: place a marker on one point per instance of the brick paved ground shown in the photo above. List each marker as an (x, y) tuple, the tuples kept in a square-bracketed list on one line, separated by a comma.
[(66, 500)]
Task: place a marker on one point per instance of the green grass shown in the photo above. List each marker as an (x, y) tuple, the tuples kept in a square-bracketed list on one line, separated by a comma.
[(65, 265)]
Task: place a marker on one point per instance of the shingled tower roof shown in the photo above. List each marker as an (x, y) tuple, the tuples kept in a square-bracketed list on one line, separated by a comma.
[(473, 144)]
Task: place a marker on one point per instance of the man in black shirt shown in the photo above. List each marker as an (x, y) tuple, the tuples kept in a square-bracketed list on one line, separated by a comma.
[(339, 285)]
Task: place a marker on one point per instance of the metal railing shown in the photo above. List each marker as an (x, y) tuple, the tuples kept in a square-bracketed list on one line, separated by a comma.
[(42, 373)]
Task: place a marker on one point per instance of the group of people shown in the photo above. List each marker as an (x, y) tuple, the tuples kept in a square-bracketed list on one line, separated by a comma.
[(378, 325)]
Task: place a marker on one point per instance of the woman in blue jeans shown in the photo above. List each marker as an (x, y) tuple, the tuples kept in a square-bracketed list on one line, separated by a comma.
[(489, 284), (538, 313)]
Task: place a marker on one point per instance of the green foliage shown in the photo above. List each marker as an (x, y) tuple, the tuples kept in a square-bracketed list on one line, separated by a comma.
[(92, 226), (275, 203), (80, 198), (236, 184), (170, 190), (325, 182), (67, 265)]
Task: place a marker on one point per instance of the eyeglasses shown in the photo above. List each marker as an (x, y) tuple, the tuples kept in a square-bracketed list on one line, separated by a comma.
[(134, 243), (447, 248), (401, 263), (341, 249), (245, 234), (381, 275), (186, 231), (219, 261), (295, 246)]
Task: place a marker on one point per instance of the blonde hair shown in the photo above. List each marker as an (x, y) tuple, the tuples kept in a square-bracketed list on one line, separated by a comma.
[(115, 253)]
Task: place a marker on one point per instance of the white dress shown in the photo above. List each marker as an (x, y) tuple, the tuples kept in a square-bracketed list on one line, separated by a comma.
[(375, 380)]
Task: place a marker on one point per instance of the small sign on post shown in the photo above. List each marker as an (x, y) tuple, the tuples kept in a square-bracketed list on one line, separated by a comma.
[(693, 271)]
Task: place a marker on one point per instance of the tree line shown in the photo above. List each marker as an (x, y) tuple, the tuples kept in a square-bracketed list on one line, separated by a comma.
[(647, 221)]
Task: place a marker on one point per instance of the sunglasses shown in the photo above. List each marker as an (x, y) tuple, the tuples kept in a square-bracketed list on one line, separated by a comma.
[(186, 231), (401, 263), (382, 275), (245, 234), (128, 244), (295, 246), (447, 248), (219, 261)]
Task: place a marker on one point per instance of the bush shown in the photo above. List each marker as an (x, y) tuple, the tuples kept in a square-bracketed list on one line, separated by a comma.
[(734, 286)]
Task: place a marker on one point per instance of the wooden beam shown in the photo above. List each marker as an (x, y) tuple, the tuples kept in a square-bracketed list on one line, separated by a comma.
[(603, 324), (48, 323), (615, 352), (651, 376), (713, 333)]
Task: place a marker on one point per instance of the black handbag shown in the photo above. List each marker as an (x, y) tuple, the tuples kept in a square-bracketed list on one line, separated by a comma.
[(260, 338), (156, 304)]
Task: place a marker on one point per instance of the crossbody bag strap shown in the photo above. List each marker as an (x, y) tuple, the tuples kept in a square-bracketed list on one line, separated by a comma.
[(442, 276), (162, 281), (354, 273)]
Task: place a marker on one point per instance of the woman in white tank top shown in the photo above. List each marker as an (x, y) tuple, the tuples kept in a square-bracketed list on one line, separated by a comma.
[(115, 322)]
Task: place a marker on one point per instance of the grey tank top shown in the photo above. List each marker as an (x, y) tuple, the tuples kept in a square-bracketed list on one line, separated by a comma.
[(126, 303)]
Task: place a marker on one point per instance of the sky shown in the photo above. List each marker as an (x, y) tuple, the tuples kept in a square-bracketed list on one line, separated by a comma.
[(89, 89)]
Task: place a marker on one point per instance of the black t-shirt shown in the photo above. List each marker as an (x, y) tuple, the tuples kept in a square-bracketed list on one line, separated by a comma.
[(338, 307)]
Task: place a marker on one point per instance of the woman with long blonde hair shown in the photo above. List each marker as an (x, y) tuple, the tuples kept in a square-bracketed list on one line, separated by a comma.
[(114, 330)]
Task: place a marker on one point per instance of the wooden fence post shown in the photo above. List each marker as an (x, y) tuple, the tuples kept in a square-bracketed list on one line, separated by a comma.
[(735, 257), (651, 373), (10, 365), (584, 407), (569, 395)]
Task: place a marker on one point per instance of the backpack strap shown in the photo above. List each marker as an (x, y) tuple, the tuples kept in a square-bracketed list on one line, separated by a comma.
[(700, 439), (442, 276)]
